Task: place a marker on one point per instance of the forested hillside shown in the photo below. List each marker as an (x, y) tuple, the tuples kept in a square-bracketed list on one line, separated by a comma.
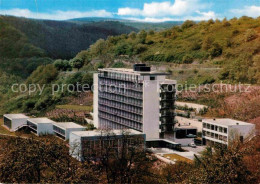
[(137, 24), (61, 39), (233, 45)]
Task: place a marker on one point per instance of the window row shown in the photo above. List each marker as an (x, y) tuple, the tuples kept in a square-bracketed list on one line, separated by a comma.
[(119, 84), (120, 113), (120, 76), (122, 99), (123, 92), (116, 122), (215, 136), (215, 127), (121, 106)]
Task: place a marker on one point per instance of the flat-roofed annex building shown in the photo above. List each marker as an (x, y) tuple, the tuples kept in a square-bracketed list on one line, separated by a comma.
[(91, 144), (40, 126), (224, 130), (14, 121), (63, 129), (137, 98)]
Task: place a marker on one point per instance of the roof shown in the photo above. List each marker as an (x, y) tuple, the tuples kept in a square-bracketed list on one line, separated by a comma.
[(40, 120), (131, 71), (185, 127), (66, 125), (169, 81), (16, 116), (226, 122), (98, 133)]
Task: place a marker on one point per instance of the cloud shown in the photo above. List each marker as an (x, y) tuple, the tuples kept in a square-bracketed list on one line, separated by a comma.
[(56, 15), (197, 17), (162, 9), (252, 11)]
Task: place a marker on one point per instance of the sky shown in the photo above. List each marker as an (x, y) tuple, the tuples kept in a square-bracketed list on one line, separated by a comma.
[(140, 10)]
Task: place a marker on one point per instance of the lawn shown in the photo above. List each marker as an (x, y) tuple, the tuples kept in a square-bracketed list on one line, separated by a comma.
[(177, 157), (75, 107)]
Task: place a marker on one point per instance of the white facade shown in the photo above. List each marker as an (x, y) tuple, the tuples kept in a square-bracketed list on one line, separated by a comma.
[(64, 129), (41, 126), (14, 121), (79, 138), (139, 107), (225, 130)]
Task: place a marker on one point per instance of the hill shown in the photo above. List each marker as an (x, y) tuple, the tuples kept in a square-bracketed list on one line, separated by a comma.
[(61, 39), (232, 45), (136, 24)]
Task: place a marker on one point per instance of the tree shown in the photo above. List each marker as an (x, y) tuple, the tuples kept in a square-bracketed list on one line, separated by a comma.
[(40, 161), (142, 36), (77, 63), (222, 164), (62, 65), (215, 50), (188, 24), (123, 159)]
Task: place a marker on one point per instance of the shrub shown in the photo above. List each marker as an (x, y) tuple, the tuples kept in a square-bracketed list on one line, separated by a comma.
[(188, 24), (118, 64), (216, 50), (187, 59), (250, 35), (139, 48)]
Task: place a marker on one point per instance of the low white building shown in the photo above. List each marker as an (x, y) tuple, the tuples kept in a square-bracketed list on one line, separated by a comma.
[(65, 128), (225, 130), (41, 126), (86, 143), (14, 121)]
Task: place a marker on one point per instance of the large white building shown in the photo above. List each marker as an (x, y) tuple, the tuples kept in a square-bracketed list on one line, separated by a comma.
[(87, 144), (14, 121), (225, 130), (136, 98)]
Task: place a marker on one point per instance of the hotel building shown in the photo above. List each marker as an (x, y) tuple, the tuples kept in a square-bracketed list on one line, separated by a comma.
[(137, 98), (223, 131)]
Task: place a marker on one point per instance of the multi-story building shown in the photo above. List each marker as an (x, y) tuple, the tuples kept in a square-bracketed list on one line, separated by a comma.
[(225, 130), (136, 98)]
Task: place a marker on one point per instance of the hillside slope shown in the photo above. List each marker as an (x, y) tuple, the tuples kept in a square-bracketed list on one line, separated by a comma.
[(157, 26), (233, 45), (61, 39)]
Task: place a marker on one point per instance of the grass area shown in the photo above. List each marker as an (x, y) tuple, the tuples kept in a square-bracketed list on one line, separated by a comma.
[(75, 107), (177, 157)]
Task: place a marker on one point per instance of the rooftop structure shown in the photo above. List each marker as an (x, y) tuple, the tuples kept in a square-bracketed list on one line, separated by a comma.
[(87, 144), (64, 129), (137, 98), (222, 131), (14, 121), (40, 126)]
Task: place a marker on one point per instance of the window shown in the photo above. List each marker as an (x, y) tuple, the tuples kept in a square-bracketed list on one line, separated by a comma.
[(225, 130), (152, 77)]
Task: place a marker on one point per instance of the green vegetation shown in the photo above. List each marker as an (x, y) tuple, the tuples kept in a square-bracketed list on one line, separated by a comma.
[(63, 39), (75, 107), (232, 45)]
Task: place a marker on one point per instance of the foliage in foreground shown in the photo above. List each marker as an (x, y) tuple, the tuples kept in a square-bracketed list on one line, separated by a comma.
[(47, 160)]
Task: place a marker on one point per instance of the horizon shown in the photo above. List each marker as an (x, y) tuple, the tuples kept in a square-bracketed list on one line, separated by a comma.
[(141, 11)]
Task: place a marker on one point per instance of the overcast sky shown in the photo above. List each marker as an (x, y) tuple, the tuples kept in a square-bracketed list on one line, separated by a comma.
[(144, 10)]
